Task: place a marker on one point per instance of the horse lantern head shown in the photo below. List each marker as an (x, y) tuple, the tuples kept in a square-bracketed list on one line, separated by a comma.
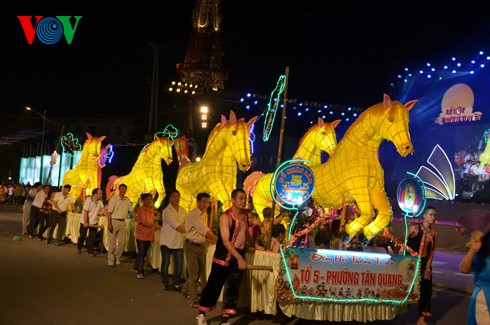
[(237, 135), (394, 126), (92, 147), (324, 135), (164, 148)]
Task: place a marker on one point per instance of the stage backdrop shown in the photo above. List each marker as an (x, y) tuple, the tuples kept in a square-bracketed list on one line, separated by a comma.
[(452, 112)]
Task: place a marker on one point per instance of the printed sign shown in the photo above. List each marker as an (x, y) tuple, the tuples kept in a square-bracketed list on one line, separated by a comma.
[(294, 183), (331, 275), (411, 196)]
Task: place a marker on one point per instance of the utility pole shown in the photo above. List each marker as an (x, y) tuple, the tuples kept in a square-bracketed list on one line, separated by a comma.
[(155, 87)]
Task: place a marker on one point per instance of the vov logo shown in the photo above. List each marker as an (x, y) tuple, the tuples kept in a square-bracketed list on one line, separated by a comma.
[(49, 30)]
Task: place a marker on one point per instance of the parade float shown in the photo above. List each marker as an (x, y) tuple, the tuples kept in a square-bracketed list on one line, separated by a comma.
[(349, 280)]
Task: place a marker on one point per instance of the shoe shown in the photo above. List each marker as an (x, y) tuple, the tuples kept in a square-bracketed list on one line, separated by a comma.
[(201, 320), (49, 241), (186, 296), (167, 287), (79, 251), (93, 254), (177, 288), (118, 262), (58, 243), (140, 276), (195, 304), (39, 239), (134, 270), (110, 264)]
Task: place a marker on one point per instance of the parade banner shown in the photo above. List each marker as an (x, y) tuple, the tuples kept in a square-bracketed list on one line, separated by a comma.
[(347, 276)]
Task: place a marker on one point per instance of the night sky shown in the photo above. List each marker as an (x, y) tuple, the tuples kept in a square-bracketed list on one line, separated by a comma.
[(342, 52)]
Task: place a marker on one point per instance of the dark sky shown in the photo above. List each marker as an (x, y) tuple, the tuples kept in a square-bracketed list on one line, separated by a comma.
[(338, 51)]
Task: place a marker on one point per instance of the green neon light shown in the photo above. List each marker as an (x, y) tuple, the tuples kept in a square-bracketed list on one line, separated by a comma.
[(273, 106), (347, 300), (170, 131), (70, 144)]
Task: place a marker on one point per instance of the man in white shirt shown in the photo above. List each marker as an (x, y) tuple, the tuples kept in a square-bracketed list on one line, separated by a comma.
[(26, 214), (35, 211), (61, 201), (196, 232), (172, 241), (89, 221), (119, 207)]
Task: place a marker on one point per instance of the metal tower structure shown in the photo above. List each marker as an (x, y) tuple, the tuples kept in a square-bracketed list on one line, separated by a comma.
[(202, 64)]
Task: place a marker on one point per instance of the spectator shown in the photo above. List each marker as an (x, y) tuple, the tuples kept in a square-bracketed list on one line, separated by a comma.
[(119, 207), (278, 236), (196, 232), (144, 233), (89, 221), (172, 241), (62, 200)]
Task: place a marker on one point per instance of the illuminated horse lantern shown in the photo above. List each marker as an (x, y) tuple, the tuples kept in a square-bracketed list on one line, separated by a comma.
[(85, 173), (216, 173), (320, 137), (355, 170), (146, 176)]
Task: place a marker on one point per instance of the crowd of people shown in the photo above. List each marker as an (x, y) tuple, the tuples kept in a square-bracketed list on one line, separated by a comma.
[(182, 233), (470, 172), (187, 234), (13, 193)]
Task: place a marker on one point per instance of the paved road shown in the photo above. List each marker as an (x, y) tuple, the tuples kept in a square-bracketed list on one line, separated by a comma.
[(46, 284)]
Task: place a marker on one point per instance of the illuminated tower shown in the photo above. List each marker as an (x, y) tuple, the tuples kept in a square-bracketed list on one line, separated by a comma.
[(202, 64)]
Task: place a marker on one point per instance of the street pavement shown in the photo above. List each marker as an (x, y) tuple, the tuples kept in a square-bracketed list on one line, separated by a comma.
[(47, 284)]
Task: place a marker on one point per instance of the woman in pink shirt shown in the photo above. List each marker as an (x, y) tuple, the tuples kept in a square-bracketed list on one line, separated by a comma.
[(145, 227)]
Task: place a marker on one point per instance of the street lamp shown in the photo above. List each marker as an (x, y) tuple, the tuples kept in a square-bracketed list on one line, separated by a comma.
[(42, 139)]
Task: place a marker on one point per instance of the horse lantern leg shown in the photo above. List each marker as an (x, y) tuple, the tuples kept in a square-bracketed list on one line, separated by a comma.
[(367, 212), (385, 214)]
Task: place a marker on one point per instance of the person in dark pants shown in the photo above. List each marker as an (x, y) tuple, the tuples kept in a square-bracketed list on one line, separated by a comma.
[(144, 233), (61, 202), (228, 261), (89, 221), (36, 206), (44, 212), (422, 239), (172, 241)]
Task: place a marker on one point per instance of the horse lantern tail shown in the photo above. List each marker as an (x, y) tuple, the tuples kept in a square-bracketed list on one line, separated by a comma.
[(250, 182), (110, 184)]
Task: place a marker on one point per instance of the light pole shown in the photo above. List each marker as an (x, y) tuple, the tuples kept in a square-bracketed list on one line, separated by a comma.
[(43, 116)]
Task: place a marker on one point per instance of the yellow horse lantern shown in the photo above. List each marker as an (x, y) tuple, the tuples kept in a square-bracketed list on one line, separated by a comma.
[(146, 176), (216, 173), (355, 170), (320, 137), (85, 173)]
